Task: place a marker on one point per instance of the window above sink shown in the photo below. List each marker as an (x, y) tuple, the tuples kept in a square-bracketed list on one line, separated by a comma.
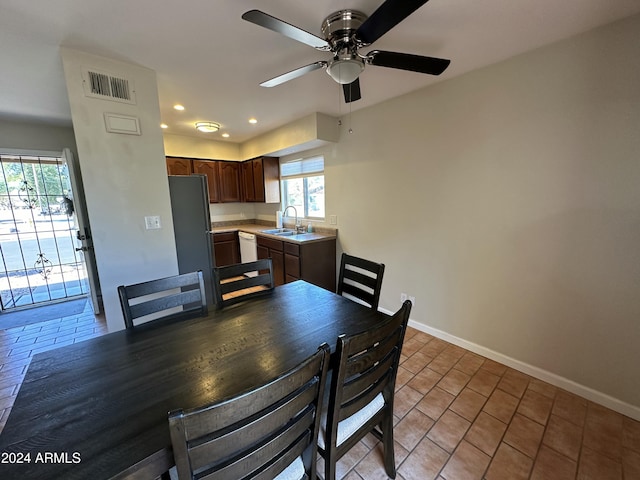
[(303, 186)]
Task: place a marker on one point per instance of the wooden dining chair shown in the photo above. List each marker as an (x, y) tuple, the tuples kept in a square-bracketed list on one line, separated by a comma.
[(179, 296), (362, 390), (242, 281), (269, 432), (361, 279)]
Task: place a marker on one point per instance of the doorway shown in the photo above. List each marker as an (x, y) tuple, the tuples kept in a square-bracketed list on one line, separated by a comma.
[(39, 262)]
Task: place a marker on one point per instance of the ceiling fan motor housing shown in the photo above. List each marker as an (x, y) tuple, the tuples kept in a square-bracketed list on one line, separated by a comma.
[(340, 27)]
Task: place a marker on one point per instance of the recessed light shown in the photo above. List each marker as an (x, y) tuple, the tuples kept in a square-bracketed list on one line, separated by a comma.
[(225, 135), (178, 107), (164, 125), (253, 120)]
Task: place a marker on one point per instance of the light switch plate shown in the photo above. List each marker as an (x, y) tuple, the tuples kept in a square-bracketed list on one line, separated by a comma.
[(152, 222), (333, 219)]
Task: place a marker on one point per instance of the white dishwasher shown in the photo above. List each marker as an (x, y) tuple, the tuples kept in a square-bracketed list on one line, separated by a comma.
[(248, 249)]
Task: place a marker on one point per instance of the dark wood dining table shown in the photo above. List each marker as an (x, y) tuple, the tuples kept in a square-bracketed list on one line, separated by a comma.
[(98, 409)]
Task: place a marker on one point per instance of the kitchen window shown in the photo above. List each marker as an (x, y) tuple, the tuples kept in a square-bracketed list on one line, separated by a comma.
[(302, 183)]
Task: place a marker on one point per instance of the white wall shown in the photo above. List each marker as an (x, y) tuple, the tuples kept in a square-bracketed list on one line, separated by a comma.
[(125, 179), (507, 201), (192, 147), (27, 135)]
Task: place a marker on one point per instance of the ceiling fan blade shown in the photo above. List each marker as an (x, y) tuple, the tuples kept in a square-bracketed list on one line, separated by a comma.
[(387, 16), (407, 61), (351, 91), (298, 72), (272, 23)]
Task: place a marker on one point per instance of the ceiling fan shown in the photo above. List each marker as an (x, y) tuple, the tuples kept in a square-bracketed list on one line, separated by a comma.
[(345, 32)]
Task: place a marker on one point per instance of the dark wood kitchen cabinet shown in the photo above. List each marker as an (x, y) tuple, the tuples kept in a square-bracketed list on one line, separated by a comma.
[(223, 177), (256, 180), (179, 166), (210, 169), (230, 190), (248, 189), (261, 180), (226, 248), (314, 262), (270, 248)]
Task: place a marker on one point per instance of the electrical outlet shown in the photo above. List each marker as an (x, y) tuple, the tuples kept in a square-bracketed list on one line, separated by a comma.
[(412, 300), (152, 222), (403, 297), (333, 219)]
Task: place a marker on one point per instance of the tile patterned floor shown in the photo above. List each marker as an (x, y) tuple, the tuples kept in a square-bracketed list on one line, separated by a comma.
[(19, 344), (459, 416)]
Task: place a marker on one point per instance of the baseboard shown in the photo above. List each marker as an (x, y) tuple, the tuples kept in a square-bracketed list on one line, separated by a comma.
[(544, 375)]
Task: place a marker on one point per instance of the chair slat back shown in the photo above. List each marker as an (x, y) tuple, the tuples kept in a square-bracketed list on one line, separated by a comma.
[(259, 432), (367, 365), (361, 279), (365, 384), (165, 295), (233, 285)]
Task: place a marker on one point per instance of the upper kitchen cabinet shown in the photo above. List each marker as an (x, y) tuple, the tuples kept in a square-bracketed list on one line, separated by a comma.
[(256, 180), (230, 190), (210, 170), (179, 166), (261, 180)]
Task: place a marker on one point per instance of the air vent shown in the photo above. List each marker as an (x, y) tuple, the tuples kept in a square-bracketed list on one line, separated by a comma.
[(106, 86)]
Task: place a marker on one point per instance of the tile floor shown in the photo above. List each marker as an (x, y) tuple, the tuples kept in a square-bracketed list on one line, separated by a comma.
[(19, 344), (458, 415)]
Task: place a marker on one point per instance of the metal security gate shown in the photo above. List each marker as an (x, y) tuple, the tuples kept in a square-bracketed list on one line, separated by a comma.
[(38, 258)]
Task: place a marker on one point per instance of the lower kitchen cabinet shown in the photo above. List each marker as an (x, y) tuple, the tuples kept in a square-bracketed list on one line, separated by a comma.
[(226, 248), (314, 262), (270, 248)]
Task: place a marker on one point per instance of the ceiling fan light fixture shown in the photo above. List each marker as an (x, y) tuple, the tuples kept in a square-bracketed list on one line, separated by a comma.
[(345, 70), (207, 127)]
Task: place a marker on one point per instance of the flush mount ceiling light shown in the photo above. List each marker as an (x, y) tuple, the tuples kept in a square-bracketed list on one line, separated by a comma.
[(207, 127)]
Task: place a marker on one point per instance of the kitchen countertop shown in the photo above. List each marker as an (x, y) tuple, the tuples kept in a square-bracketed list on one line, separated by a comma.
[(299, 238)]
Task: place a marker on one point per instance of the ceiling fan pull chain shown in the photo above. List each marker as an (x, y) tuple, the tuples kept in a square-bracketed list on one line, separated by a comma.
[(350, 110)]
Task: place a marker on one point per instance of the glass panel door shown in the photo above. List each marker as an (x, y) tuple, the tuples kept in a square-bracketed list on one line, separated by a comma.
[(38, 258)]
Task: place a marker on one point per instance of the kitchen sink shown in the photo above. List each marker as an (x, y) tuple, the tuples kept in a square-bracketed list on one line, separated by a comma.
[(280, 231)]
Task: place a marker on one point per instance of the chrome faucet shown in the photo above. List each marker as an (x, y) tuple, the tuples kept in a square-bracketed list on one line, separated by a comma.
[(284, 214)]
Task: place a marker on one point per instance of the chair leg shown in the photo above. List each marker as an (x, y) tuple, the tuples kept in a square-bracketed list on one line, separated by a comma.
[(387, 442), (329, 469)]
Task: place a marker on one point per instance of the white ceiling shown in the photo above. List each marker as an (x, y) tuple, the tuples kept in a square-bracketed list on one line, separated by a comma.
[(210, 60)]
